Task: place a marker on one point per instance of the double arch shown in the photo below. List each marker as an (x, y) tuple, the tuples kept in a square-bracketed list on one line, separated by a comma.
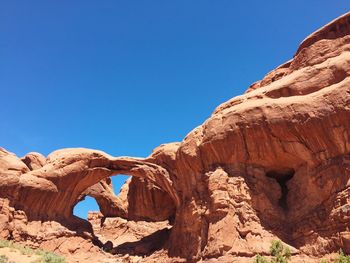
[(70, 172)]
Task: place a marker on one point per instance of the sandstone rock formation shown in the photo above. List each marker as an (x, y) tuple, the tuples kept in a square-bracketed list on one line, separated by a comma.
[(273, 163)]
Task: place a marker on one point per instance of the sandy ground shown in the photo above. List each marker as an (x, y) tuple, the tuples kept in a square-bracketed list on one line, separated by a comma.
[(15, 256)]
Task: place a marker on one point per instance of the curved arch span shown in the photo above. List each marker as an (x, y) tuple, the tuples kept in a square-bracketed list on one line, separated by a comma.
[(69, 172)]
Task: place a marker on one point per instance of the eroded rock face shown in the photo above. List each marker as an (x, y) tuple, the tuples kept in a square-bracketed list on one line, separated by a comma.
[(34, 160), (297, 119), (273, 163)]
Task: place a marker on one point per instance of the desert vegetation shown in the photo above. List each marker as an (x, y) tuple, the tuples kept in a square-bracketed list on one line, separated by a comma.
[(342, 258), (42, 256), (281, 254)]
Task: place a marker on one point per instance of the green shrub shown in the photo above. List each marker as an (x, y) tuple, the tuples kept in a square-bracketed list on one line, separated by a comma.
[(45, 256), (260, 259), (342, 258), (49, 257), (279, 253), (15, 247), (3, 259), (4, 243)]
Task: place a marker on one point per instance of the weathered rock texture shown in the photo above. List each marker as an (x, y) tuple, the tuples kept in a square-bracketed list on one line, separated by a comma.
[(273, 163)]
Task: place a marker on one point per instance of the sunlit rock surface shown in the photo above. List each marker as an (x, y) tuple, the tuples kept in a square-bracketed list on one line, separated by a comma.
[(273, 163)]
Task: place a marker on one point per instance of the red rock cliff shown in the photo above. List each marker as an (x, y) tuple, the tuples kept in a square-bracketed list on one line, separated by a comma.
[(271, 163)]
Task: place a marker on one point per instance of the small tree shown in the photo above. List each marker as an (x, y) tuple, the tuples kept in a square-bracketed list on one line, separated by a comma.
[(279, 253), (260, 259), (342, 258)]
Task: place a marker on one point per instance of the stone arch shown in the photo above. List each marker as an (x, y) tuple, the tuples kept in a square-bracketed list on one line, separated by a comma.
[(138, 199), (52, 190), (109, 203)]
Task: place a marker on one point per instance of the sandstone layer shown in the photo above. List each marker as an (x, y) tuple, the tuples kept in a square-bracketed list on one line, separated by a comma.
[(273, 163)]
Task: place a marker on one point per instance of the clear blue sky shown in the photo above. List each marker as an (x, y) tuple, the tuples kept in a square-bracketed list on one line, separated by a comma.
[(125, 76)]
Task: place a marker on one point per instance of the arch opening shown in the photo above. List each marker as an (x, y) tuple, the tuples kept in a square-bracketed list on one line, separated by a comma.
[(141, 199), (84, 206), (95, 180), (118, 181), (105, 198), (143, 204)]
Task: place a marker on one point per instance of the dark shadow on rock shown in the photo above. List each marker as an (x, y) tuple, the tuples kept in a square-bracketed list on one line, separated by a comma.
[(157, 204), (291, 224), (83, 228), (145, 246)]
